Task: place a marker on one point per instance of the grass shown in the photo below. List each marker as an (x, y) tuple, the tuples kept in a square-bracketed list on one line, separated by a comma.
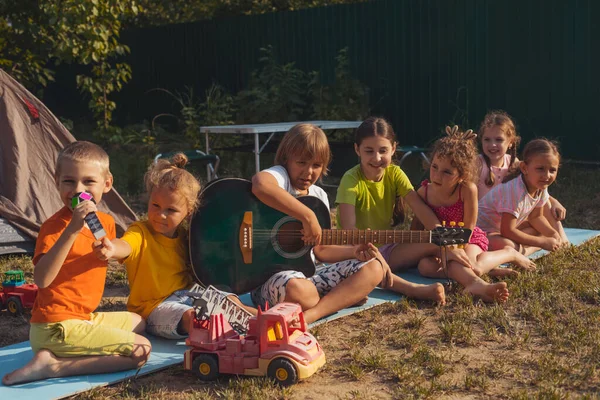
[(544, 343)]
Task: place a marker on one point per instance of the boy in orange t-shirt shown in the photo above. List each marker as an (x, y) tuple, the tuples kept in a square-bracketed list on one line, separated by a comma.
[(66, 335)]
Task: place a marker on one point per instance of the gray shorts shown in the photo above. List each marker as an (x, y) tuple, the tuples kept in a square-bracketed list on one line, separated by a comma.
[(164, 320), (324, 279)]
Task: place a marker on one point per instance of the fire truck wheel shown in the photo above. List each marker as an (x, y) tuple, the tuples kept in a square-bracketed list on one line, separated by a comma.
[(14, 306), (206, 367), (283, 372)]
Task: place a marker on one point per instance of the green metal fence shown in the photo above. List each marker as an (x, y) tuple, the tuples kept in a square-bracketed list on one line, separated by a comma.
[(427, 62)]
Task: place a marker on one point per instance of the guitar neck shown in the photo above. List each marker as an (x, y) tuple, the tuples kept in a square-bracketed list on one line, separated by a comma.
[(359, 236)]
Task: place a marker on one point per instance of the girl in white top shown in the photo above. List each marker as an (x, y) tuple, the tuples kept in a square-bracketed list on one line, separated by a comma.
[(499, 143), (512, 213)]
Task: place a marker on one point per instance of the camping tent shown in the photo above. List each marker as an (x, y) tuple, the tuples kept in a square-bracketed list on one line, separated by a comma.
[(30, 139)]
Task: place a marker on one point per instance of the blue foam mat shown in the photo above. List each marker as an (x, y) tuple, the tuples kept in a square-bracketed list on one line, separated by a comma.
[(170, 352)]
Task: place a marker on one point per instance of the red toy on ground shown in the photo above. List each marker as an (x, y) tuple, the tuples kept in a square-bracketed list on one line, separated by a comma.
[(277, 345), (16, 294)]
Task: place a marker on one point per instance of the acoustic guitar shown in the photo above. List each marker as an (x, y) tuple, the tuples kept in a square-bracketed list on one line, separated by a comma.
[(237, 242)]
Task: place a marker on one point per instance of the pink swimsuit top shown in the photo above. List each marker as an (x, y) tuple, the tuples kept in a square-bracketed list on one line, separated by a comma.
[(456, 213)]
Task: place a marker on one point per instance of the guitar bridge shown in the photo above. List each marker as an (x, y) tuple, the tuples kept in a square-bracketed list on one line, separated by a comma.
[(245, 237)]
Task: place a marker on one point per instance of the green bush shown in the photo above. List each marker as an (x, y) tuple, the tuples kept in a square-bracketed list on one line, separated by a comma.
[(276, 93)]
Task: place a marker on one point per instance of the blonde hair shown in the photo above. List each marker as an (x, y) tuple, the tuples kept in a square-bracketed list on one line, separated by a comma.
[(304, 141), (460, 149), (171, 175), (87, 152), (504, 121), (532, 149)]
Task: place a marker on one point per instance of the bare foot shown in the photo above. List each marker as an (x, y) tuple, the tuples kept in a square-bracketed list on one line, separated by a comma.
[(503, 272), (522, 261), (490, 293), (434, 292), (40, 367)]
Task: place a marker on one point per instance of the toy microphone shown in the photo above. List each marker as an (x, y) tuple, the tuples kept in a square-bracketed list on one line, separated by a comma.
[(91, 219)]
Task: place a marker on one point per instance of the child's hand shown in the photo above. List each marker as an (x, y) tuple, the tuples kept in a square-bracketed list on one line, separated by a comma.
[(551, 244), (361, 252), (366, 252), (311, 231), (104, 249), (79, 212), (458, 255), (558, 211)]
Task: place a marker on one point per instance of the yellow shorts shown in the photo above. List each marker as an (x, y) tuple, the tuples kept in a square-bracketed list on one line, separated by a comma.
[(104, 334)]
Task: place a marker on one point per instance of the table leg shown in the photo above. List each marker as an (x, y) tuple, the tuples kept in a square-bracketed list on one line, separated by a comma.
[(256, 153), (208, 174)]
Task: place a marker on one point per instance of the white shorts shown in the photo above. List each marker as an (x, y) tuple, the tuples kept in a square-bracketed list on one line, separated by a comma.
[(325, 278)]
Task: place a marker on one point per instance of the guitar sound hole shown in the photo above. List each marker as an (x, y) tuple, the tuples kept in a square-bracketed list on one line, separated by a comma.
[(289, 237)]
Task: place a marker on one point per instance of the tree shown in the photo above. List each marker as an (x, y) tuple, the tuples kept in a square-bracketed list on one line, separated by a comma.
[(161, 12), (34, 35)]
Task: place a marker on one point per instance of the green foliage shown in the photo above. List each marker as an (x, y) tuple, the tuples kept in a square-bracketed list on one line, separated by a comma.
[(87, 32), (161, 12), (188, 120), (217, 109), (347, 99), (276, 92), (104, 81), (24, 43), (33, 35), (281, 92)]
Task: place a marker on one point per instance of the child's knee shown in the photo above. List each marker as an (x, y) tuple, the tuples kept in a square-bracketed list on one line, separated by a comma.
[(186, 319), (374, 270), (301, 291), (138, 324), (141, 351), (427, 266)]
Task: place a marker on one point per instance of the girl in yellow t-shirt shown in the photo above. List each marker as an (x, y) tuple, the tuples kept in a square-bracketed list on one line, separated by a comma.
[(371, 196), (155, 251)]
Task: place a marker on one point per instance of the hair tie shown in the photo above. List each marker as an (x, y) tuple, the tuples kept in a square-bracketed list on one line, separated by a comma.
[(455, 133)]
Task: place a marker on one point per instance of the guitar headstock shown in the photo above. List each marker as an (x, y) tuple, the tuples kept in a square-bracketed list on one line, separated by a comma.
[(451, 235)]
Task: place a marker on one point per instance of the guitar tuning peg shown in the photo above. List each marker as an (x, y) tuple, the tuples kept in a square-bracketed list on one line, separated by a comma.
[(461, 246), (443, 223), (461, 224), (452, 224)]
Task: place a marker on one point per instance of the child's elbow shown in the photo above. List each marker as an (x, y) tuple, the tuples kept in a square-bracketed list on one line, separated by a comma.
[(318, 251), (257, 184), (506, 231), (40, 282)]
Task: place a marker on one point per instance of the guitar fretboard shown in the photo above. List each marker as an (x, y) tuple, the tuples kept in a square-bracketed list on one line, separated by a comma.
[(358, 236)]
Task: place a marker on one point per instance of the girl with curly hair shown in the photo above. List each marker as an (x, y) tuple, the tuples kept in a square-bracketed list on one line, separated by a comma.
[(452, 196)]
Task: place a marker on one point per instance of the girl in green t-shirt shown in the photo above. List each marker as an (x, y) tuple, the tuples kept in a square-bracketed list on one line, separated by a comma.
[(371, 195)]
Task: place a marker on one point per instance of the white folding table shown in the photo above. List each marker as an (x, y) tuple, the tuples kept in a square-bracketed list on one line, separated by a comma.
[(271, 130)]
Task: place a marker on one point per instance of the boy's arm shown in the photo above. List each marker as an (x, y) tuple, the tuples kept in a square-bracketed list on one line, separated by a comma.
[(49, 264), (266, 188)]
